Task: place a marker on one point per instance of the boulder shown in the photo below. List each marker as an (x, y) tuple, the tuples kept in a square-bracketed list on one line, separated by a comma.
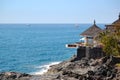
[(14, 76)]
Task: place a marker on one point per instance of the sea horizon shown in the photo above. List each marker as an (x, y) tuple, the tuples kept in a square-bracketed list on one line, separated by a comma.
[(55, 23)]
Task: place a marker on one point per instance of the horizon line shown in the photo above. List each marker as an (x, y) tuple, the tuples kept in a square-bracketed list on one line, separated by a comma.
[(55, 23)]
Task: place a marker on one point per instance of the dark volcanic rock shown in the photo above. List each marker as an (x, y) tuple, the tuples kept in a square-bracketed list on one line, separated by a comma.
[(14, 76), (73, 69), (84, 69)]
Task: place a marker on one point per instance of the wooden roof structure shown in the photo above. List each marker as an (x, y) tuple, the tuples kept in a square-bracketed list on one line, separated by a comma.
[(92, 31), (117, 22), (111, 27)]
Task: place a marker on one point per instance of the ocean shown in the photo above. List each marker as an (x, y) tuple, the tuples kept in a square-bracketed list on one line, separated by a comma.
[(32, 48)]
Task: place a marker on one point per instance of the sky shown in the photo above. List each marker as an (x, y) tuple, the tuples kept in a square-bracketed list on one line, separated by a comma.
[(59, 11)]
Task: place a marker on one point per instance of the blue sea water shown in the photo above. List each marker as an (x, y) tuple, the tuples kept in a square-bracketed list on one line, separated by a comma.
[(29, 47)]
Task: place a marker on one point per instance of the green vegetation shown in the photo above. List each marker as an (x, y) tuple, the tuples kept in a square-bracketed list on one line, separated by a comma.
[(110, 39)]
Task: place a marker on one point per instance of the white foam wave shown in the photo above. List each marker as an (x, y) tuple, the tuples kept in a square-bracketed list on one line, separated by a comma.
[(43, 68)]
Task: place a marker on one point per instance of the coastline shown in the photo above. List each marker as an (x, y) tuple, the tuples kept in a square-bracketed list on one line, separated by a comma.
[(44, 68), (83, 69)]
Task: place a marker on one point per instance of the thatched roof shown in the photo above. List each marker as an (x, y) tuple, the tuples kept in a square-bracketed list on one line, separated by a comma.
[(92, 31), (117, 22), (112, 26)]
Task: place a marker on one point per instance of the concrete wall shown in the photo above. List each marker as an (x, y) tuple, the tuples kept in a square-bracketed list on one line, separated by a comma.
[(89, 52), (81, 52)]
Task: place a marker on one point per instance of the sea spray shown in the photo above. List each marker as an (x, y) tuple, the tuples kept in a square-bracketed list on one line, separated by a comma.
[(44, 68)]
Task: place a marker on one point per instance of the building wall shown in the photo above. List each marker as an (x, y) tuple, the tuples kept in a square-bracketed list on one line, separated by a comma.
[(81, 52), (89, 52)]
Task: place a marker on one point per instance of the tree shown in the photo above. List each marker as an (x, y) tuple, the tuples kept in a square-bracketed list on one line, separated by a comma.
[(110, 41)]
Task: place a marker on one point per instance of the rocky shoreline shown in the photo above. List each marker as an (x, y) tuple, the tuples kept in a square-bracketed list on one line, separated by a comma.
[(14, 76), (73, 69)]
